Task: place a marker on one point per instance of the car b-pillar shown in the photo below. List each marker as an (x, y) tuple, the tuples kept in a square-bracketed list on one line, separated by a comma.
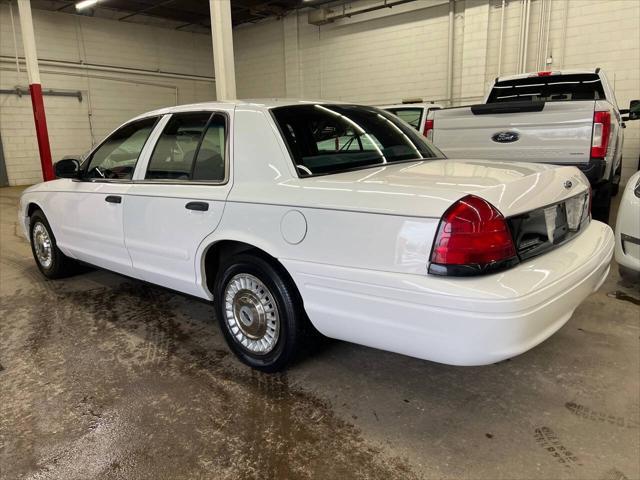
[(35, 88)]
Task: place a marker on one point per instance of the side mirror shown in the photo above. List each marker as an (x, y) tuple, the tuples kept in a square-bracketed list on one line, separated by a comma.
[(67, 168), (634, 110)]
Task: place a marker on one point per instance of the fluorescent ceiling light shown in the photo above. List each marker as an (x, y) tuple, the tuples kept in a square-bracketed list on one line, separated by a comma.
[(85, 4)]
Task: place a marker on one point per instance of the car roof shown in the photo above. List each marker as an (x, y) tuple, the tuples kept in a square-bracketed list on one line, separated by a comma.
[(258, 104)]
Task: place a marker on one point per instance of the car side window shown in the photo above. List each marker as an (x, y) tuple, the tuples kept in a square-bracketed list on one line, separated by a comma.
[(117, 156), (172, 157), (210, 159), (191, 147)]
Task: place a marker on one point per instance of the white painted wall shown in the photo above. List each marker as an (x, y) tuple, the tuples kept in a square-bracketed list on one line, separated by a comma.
[(109, 99), (391, 54)]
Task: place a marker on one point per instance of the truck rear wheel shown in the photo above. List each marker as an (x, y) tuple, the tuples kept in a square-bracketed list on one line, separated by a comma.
[(615, 188), (601, 204)]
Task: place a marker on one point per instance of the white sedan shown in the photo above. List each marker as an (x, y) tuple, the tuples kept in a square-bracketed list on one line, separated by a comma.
[(301, 216), (628, 230)]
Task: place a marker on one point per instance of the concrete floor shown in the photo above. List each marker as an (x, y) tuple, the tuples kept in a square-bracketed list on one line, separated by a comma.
[(102, 376)]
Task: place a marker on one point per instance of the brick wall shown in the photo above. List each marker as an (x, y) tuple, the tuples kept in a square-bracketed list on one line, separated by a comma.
[(109, 98)]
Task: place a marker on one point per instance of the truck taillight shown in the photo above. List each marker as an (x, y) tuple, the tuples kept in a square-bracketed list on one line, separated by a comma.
[(473, 237), (428, 129), (600, 135)]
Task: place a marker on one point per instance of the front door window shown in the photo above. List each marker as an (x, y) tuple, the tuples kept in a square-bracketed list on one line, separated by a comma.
[(116, 157)]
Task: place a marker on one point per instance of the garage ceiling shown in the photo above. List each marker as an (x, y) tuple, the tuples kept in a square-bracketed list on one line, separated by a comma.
[(189, 15)]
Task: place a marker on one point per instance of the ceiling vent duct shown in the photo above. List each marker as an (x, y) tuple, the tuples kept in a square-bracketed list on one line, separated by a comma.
[(320, 16)]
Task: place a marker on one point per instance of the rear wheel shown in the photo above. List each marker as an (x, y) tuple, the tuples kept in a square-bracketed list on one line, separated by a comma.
[(260, 312), (50, 260)]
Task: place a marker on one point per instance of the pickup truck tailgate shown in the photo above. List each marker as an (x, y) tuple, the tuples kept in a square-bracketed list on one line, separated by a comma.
[(559, 133)]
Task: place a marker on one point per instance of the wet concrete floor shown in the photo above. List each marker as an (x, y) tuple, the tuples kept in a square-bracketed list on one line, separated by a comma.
[(102, 376)]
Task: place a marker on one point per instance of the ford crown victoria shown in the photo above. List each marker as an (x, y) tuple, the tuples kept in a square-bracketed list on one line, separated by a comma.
[(301, 216)]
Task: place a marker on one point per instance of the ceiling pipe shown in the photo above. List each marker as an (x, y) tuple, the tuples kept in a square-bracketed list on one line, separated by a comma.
[(450, 54), (322, 16), (501, 38), (526, 36), (540, 48), (520, 36), (546, 41), (125, 70)]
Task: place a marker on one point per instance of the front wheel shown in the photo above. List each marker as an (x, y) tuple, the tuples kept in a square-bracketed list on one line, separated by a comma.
[(50, 260), (260, 312)]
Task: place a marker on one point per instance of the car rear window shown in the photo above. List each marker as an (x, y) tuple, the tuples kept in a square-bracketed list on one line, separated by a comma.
[(324, 139), (550, 88)]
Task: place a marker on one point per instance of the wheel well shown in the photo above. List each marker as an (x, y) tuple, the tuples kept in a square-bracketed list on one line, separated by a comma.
[(32, 208), (222, 249)]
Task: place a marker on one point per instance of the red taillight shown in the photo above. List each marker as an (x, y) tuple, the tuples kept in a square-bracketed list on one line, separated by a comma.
[(474, 235), (428, 129), (600, 135), (545, 74)]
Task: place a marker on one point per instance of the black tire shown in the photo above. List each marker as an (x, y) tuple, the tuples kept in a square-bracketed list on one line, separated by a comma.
[(615, 187), (59, 265), (629, 275), (601, 205), (293, 324)]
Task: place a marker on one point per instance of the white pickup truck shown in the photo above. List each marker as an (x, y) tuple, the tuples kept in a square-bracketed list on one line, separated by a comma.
[(559, 117)]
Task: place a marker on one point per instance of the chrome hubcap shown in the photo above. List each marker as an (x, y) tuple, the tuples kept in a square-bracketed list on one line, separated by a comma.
[(42, 244), (251, 314)]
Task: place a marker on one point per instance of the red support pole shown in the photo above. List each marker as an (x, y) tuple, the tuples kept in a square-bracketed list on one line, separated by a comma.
[(35, 88), (42, 133)]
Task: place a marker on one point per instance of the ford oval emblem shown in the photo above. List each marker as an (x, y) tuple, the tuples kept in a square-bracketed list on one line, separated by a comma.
[(568, 184), (506, 137)]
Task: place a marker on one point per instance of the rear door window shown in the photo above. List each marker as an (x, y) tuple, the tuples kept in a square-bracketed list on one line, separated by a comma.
[(191, 147), (550, 88)]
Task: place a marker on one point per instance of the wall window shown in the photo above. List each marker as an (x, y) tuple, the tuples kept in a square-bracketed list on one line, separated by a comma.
[(117, 156)]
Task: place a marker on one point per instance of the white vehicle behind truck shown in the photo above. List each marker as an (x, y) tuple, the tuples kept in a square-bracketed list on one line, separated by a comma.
[(415, 113), (559, 117)]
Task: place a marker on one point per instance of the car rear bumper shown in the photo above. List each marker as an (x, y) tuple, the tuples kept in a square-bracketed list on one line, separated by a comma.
[(457, 321)]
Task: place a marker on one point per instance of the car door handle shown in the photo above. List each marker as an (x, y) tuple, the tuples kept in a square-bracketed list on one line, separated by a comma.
[(113, 199), (198, 206)]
